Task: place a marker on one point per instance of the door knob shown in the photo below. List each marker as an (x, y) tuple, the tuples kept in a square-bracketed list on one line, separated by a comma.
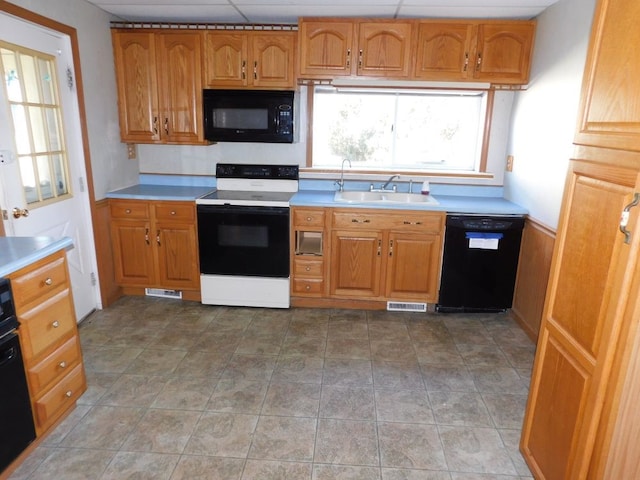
[(20, 212)]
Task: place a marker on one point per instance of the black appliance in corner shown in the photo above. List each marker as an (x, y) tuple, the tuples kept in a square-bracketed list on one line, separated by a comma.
[(248, 115), (18, 430), (479, 263)]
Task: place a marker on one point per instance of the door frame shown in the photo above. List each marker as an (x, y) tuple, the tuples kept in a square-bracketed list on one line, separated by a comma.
[(29, 16)]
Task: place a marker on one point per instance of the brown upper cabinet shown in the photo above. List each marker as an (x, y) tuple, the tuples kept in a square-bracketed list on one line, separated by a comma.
[(338, 47), (445, 50), (159, 86), (261, 60), (497, 52)]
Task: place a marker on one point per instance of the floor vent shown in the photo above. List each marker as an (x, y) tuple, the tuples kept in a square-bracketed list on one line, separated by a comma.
[(406, 307), (160, 292)]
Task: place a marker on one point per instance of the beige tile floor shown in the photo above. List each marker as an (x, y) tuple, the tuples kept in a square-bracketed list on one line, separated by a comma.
[(179, 390)]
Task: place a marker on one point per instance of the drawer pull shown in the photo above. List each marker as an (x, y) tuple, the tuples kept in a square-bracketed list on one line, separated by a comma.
[(173, 212), (68, 394), (355, 220), (309, 219), (48, 281), (62, 364), (307, 287), (307, 269), (412, 223), (55, 324), (127, 211)]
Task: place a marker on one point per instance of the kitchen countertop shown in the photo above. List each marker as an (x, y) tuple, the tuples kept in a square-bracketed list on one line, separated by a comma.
[(473, 201), (446, 203), (19, 252), (160, 192)]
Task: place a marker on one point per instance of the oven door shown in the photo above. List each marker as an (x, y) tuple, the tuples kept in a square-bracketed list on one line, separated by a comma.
[(243, 240)]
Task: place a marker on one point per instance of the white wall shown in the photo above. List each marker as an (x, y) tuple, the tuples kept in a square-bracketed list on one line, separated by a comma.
[(109, 163), (544, 116), (201, 160)]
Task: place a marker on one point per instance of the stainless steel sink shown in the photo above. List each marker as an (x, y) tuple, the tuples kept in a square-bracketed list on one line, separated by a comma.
[(355, 196)]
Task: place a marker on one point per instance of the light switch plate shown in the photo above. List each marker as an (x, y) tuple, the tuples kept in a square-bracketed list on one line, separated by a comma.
[(509, 163), (6, 156)]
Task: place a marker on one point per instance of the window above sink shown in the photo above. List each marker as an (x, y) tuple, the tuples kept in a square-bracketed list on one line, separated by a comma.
[(398, 129)]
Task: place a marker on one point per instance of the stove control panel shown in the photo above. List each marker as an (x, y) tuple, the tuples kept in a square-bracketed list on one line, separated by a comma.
[(255, 171)]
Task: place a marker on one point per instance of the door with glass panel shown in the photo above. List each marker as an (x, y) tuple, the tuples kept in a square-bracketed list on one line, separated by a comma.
[(42, 170)]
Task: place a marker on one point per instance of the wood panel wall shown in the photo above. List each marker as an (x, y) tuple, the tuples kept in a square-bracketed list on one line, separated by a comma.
[(109, 290), (533, 274)]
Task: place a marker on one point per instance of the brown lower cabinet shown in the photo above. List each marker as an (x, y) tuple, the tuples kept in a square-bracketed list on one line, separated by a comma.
[(155, 244), (48, 338), (375, 256)]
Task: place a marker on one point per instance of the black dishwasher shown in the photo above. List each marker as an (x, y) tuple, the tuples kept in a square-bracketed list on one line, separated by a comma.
[(479, 263), (15, 408)]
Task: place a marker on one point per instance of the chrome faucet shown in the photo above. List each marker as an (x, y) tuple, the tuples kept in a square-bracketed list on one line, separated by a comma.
[(340, 183), (384, 186)]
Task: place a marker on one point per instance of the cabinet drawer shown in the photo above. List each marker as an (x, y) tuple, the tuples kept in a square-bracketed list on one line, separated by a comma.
[(398, 220), (307, 268), (184, 211), (54, 365), (308, 217), (40, 283), (60, 397), (46, 324), (310, 286), (124, 209)]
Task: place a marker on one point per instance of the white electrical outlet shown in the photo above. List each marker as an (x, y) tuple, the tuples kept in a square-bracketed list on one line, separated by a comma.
[(5, 157)]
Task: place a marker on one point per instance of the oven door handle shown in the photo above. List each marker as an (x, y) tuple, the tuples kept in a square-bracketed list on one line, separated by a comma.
[(243, 209)]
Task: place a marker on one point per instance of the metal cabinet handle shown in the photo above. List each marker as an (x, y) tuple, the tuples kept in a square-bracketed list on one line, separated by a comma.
[(624, 217), (479, 61), (307, 287), (48, 281), (62, 364), (355, 220), (146, 236), (173, 212), (68, 394), (307, 269), (348, 57), (360, 58), (255, 70), (55, 324), (379, 247), (166, 125), (158, 237), (466, 62), (244, 72), (127, 211), (155, 125), (406, 222), (308, 219), (391, 248)]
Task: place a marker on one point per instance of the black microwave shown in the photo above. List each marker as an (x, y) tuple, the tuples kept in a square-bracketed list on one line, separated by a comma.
[(248, 115)]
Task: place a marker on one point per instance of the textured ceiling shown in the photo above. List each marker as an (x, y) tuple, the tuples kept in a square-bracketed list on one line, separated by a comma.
[(288, 11)]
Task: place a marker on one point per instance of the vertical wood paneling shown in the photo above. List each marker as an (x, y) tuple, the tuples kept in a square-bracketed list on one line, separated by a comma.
[(533, 274), (109, 290)]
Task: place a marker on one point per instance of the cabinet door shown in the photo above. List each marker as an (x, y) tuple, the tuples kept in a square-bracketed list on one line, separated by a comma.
[(135, 54), (384, 49), (177, 246), (326, 48), (132, 252), (588, 293), (413, 266), (443, 51), (226, 57), (610, 106), (181, 87), (273, 59), (503, 52), (356, 263)]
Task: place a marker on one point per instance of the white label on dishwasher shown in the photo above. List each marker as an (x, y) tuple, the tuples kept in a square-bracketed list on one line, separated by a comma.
[(484, 243)]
